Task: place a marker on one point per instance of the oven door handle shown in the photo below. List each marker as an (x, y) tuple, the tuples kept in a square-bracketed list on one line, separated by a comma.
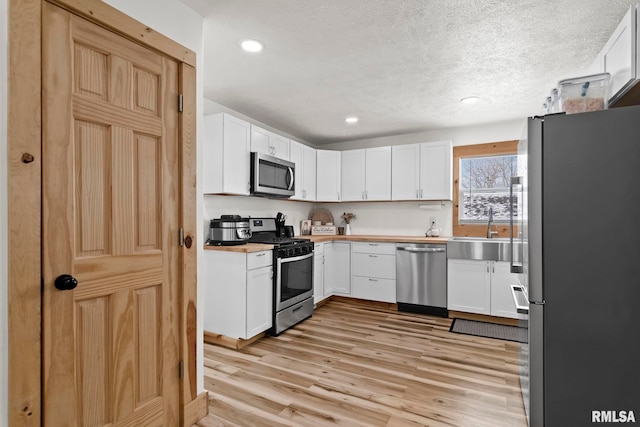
[(294, 259)]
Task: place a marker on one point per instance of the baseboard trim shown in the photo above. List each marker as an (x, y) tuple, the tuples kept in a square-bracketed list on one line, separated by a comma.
[(366, 302), (483, 318), (228, 342), (197, 409)]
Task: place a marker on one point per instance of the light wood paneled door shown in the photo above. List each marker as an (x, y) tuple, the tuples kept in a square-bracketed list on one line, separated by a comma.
[(111, 195)]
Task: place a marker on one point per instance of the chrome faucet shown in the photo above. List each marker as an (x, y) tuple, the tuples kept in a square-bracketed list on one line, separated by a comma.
[(490, 232)]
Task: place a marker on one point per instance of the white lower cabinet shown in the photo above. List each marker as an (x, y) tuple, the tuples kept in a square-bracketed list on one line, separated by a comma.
[(502, 303), (481, 287), (259, 300), (238, 293), (337, 268), (373, 271), (318, 272)]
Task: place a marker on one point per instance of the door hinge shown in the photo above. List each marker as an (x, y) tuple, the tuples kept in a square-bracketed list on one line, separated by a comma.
[(180, 103), (181, 237), (181, 369)]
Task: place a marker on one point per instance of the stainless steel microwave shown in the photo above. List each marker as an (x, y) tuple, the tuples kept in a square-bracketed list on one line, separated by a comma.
[(271, 177)]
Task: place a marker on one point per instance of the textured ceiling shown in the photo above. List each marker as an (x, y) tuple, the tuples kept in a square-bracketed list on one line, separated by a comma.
[(401, 66)]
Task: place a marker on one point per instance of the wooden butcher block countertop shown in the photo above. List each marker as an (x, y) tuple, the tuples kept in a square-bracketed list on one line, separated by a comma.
[(246, 248), (379, 238), (258, 247)]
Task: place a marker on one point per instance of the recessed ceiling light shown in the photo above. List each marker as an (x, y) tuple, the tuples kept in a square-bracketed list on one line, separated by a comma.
[(251, 46), (470, 100), (351, 119)]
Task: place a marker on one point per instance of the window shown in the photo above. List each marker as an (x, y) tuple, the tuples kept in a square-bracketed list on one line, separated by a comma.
[(484, 183), (481, 175)]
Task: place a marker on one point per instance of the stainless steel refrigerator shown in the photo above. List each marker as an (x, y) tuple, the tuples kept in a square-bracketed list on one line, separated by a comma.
[(576, 216)]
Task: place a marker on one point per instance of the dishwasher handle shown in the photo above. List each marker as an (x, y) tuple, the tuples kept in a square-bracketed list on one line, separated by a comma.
[(427, 250)]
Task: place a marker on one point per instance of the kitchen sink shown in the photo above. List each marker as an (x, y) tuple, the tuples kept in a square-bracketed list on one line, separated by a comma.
[(479, 248)]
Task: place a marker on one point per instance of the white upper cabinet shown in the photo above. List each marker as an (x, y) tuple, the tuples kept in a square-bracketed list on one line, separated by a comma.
[(619, 55), (422, 171), (405, 172), (378, 173), (353, 175), (436, 170), (270, 143), (620, 58), (305, 179), (328, 175), (226, 155), (366, 174), (309, 173)]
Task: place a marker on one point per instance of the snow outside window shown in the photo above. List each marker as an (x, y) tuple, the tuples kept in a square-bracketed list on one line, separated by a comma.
[(484, 183)]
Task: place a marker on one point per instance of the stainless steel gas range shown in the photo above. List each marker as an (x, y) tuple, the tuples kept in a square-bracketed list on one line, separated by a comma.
[(293, 273)]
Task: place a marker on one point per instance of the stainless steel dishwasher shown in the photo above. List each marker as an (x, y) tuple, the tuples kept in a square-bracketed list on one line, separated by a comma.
[(421, 278)]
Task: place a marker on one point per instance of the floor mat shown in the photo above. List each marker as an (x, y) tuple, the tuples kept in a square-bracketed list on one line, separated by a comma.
[(489, 330)]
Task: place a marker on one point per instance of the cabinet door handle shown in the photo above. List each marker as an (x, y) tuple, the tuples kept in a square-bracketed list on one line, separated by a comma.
[(421, 194)]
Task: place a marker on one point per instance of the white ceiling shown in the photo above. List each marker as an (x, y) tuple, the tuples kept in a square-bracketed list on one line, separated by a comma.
[(401, 66)]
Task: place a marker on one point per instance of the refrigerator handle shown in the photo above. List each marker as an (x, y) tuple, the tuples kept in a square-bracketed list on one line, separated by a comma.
[(515, 268)]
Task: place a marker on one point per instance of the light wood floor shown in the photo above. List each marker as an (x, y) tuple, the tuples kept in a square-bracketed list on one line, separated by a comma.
[(357, 365)]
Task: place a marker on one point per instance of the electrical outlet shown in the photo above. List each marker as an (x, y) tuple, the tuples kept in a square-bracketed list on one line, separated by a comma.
[(432, 221)]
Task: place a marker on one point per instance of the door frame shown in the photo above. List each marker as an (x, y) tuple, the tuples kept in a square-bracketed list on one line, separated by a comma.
[(24, 177)]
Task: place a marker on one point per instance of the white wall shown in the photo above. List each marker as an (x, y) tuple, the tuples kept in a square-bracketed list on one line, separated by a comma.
[(394, 218), (4, 230), (214, 206)]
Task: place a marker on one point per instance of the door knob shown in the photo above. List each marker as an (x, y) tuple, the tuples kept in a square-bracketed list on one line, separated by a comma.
[(65, 282)]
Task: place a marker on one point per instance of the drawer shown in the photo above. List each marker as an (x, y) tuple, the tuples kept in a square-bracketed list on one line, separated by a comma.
[(373, 289), (373, 265), (373, 248), (318, 248), (259, 259)]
